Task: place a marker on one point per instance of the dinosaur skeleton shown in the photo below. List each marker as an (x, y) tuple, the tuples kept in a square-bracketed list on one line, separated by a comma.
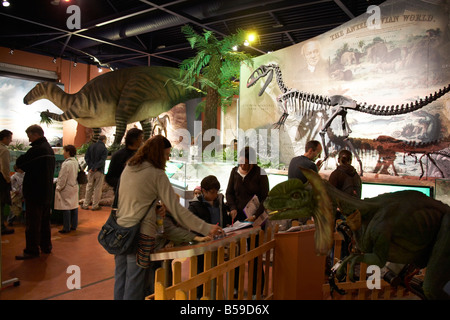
[(304, 104)]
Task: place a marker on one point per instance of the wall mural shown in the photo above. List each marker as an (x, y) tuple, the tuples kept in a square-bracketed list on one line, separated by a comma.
[(403, 61), (17, 117)]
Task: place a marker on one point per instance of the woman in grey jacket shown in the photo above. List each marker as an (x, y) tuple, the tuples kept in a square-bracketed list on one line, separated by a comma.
[(142, 182)]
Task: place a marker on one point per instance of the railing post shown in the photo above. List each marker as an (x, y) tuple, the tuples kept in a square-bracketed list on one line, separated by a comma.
[(220, 260), (192, 273), (230, 284)]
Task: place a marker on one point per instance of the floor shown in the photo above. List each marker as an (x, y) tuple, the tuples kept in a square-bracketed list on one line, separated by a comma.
[(49, 276)]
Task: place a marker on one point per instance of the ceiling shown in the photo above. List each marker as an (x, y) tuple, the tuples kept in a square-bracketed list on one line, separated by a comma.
[(124, 33)]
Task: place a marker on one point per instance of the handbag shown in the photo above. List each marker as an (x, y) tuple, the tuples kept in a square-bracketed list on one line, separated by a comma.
[(81, 177), (117, 239)]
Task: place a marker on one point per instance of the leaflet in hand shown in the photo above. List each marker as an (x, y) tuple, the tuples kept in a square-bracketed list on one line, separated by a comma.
[(252, 206)]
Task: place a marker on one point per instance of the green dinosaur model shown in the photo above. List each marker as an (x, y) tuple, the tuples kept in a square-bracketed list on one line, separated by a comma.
[(116, 98), (404, 227)]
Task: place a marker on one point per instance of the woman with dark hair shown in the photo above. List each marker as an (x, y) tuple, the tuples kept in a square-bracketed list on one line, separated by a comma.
[(345, 177), (246, 180), (144, 181), (66, 192)]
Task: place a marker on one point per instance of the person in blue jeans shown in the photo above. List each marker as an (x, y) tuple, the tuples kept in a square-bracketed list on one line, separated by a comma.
[(141, 183)]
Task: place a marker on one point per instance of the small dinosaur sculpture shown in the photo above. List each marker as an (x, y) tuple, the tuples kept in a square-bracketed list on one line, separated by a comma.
[(116, 98), (404, 227), (302, 103)]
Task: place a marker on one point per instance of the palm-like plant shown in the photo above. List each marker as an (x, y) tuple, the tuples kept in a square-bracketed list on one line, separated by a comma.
[(214, 70)]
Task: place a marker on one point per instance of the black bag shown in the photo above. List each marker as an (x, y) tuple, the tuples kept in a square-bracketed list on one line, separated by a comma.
[(119, 240), (116, 239), (81, 177)]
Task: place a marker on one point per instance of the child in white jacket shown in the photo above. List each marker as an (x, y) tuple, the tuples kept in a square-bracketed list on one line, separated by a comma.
[(16, 195)]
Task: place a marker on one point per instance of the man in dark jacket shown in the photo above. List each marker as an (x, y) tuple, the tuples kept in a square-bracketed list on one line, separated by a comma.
[(95, 158), (313, 149), (38, 163), (133, 140)]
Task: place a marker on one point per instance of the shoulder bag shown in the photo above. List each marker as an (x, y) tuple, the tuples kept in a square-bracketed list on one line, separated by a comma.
[(117, 239)]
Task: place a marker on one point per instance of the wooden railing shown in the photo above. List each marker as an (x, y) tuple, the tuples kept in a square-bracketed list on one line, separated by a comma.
[(220, 270)]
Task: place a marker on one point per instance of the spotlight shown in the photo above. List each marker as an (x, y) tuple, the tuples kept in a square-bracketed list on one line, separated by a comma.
[(11, 51), (100, 69), (5, 3), (54, 60), (251, 37)]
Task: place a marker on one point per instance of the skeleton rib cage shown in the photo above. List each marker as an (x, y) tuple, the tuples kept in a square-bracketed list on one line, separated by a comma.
[(305, 104), (302, 103)]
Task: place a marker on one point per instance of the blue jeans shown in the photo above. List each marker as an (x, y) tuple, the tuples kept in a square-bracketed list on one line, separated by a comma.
[(70, 219), (129, 278)]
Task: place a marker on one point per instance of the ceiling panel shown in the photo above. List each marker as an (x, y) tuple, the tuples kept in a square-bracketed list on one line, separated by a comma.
[(123, 33)]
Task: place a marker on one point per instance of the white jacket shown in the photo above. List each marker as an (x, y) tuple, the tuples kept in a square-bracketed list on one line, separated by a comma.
[(139, 186), (66, 193)]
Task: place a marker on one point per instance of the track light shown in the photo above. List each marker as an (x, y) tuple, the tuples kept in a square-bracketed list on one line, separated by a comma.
[(5, 3)]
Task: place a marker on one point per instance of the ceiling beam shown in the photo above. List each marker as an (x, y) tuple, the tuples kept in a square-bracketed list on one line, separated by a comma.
[(345, 9)]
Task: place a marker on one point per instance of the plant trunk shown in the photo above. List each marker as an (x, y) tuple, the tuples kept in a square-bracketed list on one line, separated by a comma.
[(210, 115)]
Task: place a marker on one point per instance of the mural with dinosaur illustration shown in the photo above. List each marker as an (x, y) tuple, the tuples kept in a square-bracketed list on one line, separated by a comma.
[(406, 61)]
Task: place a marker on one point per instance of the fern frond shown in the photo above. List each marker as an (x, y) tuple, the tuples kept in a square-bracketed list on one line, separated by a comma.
[(45, 118)]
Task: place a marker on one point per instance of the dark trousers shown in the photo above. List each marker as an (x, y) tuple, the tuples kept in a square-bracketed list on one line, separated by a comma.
[(37, 228), (70, 219)]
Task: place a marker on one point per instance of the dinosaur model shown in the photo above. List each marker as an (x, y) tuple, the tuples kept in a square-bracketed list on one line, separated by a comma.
[(116, 98), (404, 227), (301, 103)]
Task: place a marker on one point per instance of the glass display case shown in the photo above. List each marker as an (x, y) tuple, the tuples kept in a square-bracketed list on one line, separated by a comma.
[(185, 176)]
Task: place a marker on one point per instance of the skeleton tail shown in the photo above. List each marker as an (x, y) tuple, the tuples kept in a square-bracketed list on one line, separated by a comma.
[(396, 110)]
